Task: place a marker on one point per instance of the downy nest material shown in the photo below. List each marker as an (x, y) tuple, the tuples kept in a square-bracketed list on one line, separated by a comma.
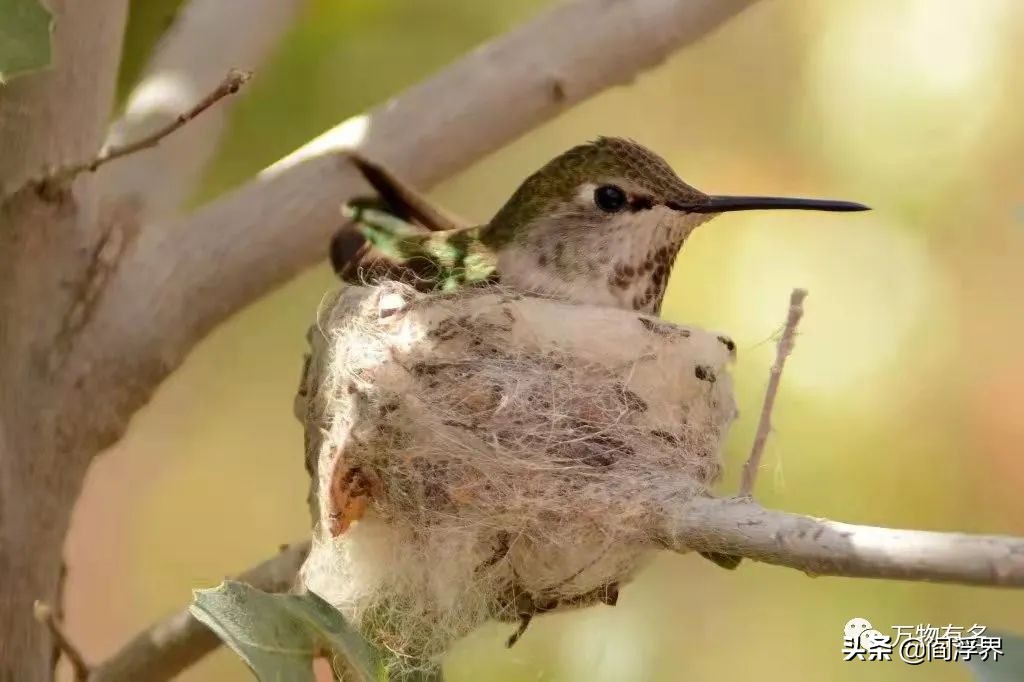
[(487, 454)]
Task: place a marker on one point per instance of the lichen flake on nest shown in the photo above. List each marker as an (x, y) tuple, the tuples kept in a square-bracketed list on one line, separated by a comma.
[(487, 454)]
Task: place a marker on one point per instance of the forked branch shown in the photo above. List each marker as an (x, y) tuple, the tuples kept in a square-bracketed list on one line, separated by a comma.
[(46, 617)]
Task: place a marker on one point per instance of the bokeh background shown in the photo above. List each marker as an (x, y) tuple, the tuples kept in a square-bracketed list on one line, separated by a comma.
[(903, 404)]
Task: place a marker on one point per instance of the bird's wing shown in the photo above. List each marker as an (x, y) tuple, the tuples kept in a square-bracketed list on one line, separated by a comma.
[(403, 201), (433, 260), (398, 210), (353, 256)]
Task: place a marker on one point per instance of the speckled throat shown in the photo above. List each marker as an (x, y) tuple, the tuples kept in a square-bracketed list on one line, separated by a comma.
[(623, 264), (647, 279)]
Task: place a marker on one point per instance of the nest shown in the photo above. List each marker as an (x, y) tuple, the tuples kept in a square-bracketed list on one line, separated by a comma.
[(490, 455)]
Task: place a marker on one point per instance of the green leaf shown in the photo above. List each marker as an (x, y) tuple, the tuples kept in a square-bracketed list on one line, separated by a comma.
[(1007, 668), (278, 635), (24, 37)]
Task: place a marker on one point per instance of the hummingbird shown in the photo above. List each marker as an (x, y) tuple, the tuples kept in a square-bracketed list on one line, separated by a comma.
[(600, 224)]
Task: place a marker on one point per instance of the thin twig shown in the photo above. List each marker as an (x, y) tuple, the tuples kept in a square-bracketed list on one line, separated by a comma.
[(177, 642), (195, 52), (764, 426), (44, 614), (229, 86)]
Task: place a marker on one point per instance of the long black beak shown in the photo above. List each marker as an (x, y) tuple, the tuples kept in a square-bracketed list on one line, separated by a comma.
[(723, 204)]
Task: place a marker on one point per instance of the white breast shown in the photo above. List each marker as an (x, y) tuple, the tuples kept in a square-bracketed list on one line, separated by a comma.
[(518, 267), (590, 255)]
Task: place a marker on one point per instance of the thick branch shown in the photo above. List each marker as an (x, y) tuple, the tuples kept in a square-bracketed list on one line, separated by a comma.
[(46, 118), (740, 527), (258, 236), (208, 38), (170, 646)]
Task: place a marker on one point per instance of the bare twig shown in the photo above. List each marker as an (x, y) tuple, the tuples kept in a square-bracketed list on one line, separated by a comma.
[(764, 425), (740, 527), (204, 41), (173, 644), (45, 616), (229, 86)]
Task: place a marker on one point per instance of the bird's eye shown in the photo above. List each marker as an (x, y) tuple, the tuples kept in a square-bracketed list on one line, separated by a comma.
[(610, 198)]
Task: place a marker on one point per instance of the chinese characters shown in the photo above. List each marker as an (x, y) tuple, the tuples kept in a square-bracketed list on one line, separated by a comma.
[(915, 644)]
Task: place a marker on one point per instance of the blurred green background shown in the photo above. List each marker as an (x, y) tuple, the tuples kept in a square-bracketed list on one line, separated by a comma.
[(903, 404)]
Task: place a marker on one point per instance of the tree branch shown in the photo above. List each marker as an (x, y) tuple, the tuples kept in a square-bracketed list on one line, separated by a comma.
[(143, 294), (265, 232), (208, 38), (764, 425), (173, 644), (739, 526), (46, 118), (229, 86), (61, 113), (46, 617), (731, 526)]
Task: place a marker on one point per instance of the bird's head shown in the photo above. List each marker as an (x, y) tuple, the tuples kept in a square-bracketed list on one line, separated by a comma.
[(612, 213)]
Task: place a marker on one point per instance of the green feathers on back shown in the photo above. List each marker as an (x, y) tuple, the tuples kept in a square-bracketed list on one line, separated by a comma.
[(444, 260)]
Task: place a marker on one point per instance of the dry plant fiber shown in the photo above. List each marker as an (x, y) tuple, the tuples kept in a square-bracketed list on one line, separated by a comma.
[(514, 454)]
